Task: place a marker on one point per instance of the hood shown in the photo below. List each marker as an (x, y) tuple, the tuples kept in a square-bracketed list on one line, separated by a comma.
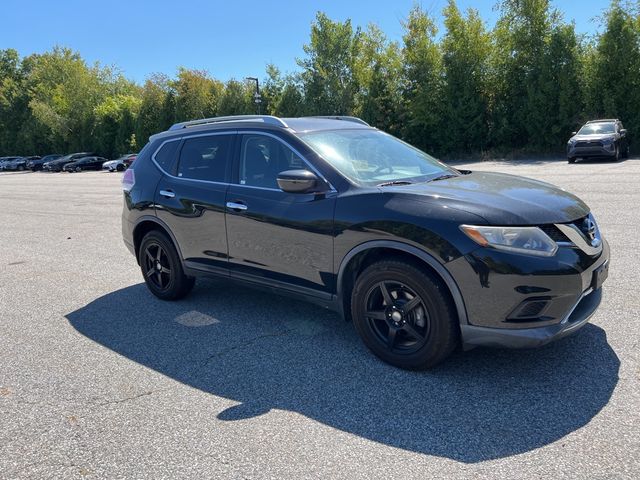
[(502, 199), (111, 162), (594, 136)]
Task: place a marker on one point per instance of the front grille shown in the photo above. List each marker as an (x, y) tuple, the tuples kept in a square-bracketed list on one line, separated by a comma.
[(592, 144), (553, 233)]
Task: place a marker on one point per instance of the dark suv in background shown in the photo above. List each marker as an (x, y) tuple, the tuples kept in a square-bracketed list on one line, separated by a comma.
[(599, 138), (420, 256)]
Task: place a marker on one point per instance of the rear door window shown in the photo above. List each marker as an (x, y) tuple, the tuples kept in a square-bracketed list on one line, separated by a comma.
[(206, 158)]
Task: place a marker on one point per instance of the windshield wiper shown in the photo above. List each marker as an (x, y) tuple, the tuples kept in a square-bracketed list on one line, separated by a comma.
[(395, 182), (443, 177)]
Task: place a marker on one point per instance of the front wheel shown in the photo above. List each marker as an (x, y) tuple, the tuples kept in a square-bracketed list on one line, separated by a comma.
[(161, 267), (404, 315), (571, 160)]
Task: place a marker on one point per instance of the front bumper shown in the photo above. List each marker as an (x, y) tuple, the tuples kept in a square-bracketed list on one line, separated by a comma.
[(497, 286), (473, 336), (583, 152)]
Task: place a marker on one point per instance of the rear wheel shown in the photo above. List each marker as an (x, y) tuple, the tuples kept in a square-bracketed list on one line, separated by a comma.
[(161, 267), (616, 157), (571, 160), (403, 315), (120, 167)]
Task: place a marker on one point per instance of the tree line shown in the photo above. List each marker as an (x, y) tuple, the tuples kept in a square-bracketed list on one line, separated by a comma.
[(523, 85)]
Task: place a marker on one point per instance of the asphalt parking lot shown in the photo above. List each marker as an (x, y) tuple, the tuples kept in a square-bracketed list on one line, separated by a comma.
[(98, 379)]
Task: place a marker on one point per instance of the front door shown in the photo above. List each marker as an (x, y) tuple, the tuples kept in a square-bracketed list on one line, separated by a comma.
[(278, 238)]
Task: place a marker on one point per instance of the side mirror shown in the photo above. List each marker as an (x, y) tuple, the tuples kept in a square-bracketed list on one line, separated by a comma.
[(574, 133), (297, 181), (623, 131)]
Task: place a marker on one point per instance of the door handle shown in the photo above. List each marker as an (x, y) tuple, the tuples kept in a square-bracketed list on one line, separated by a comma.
[(236, 206), (167, 193)]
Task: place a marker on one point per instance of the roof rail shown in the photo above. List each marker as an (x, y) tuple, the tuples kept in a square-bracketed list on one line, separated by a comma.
[(344, 118), (603, 120), (232, 118)]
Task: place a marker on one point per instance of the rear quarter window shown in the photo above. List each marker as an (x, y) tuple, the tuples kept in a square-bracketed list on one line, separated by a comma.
[(166, 156)]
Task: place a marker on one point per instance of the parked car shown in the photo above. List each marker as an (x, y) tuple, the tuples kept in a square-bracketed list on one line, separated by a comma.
[(36, 164), (420, 256), (19, 163), (85, 163), (6, 160), (119, 164), (599, 138), (58, 164)]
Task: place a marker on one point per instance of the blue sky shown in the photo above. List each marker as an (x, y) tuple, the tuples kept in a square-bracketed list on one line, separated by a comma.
[(227, 38)]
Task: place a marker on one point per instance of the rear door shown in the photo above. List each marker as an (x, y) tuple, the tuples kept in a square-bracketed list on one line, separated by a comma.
[(190, 197), (278, 238)]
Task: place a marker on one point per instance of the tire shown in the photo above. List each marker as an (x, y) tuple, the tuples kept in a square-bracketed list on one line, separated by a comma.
[(415, 327), (120, 168), (168, 281), (616, 157), (78, 169), (20, 168), (571, 160)]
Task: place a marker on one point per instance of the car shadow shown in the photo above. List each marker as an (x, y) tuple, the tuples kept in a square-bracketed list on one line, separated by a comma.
[(268, 352)]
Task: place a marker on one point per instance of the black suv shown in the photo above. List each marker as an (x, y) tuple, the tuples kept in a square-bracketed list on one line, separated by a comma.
[(599, 138), (420, 256)]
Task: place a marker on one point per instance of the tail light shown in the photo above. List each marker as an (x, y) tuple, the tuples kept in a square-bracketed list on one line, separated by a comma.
[(128, 180)]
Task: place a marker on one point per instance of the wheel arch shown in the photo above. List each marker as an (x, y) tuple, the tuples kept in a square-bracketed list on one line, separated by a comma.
[(366, 253), (146, 224)]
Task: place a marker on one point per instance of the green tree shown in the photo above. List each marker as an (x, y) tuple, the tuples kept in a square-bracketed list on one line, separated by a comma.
[(466, 48), (378, 73), (423, 82), (237, 99), (614, 70), (150, 117), (197, 95), (115, 124), (327, 76)]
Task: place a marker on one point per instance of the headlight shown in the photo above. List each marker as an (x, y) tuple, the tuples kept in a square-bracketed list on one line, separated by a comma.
[(528, 240), (571, 142), (607, 141)]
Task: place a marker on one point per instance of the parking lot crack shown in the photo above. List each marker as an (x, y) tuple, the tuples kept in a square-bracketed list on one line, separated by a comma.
[(127, 399), (247, 343)]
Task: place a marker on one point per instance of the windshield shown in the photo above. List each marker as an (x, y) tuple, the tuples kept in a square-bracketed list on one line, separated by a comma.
[(597, 128), (371, 157)]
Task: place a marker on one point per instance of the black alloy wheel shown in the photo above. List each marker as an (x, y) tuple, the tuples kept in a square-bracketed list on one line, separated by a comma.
[(157, 266), (398, 316), (161, 267), (404, 314)]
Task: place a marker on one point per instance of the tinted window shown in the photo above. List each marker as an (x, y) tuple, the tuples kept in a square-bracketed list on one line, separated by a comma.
[(205, 158), (262, 158), (166, 155)]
